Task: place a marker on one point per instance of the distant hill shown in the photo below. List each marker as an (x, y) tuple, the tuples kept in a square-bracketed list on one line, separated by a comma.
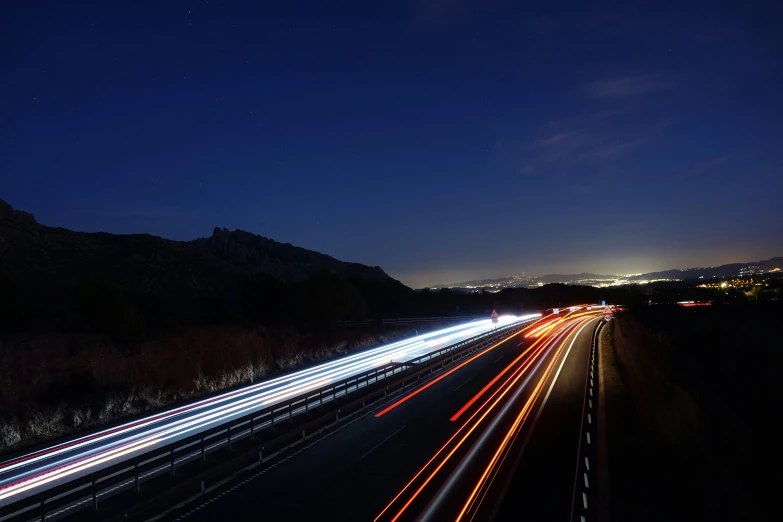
[(585, 278), (727, 270), (41, 256)]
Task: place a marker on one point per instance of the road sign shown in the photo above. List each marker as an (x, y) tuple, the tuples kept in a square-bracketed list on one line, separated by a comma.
[(603, 303), (555, 310), (494, 316), (608, 310), (608, 317)]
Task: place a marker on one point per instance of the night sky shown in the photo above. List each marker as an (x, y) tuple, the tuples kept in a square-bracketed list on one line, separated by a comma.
[(442, 140)]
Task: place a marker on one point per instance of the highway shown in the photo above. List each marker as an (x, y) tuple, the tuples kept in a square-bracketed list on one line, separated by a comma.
[(46, 467), (501, 437)]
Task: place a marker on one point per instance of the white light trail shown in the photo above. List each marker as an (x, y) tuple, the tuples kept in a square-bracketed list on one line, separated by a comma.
[(39, 469)]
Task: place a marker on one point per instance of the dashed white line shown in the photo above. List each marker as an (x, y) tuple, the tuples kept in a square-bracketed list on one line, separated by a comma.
[(591, 392), (587, 484), (590, 402), (461, 385), (589, 419), (584, 499), (381, 443), (587, 464), (588, 437)]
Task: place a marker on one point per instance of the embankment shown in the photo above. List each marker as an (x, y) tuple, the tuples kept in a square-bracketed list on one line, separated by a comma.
[(689, 393)]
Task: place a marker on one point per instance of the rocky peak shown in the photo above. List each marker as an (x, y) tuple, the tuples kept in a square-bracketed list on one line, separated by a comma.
[(8, 212)]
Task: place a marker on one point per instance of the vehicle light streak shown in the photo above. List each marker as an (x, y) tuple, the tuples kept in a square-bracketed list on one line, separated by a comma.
[(407, 344), (74, 470), (514, 429), (546, 397), (533, 332), (482, 412), (558, 333), (38, 469), (421, 389), (549, 328), (498, 376)]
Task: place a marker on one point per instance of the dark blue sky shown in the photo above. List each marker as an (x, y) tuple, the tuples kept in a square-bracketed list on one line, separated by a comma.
[(443, 140)]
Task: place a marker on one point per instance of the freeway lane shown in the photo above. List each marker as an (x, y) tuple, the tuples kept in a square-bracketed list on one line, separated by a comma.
[(549, 453), (465, 479), (45, 468), (355, 472)]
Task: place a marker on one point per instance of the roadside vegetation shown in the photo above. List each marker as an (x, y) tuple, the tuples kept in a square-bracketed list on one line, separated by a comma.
[(62, 383)]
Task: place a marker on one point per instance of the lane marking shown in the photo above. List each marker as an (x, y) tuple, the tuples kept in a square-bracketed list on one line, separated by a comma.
[(587, 484), (461, 385), (588, 437), (589, 419), (584, 499), (581, 428), (587, 464), (381, 443), (591, 402), (499, 358)]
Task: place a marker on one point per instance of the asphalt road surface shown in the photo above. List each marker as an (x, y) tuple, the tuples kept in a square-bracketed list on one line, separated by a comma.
[(496, 438)]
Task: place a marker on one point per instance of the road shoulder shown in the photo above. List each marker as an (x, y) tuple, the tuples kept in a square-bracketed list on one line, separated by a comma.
[(611, 427)]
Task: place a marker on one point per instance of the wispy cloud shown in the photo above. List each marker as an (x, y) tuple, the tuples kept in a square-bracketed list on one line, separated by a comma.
[(619, 148), (706, 165), (627, 86), (559, 138)]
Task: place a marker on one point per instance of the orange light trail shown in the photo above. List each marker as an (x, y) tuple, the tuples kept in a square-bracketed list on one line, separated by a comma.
[(498, 376), (574, 332), (542, 326), (520, 419), (498, 395), (421, 389)]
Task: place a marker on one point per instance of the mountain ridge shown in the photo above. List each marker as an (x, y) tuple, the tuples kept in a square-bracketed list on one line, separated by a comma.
[(41, 255)]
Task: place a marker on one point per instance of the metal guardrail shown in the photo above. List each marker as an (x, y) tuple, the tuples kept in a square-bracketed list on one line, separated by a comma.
[(135, 471)]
